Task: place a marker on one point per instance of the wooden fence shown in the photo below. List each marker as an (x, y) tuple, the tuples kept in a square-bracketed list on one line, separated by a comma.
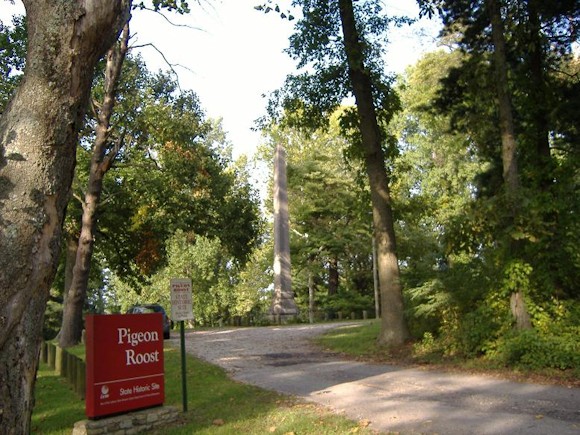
[(67, 365)]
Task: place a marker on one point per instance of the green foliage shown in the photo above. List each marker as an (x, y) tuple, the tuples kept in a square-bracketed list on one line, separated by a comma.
[(174, 172), (427, 347), (516, 278), (544, 86), (179, 6), (310, 97), (253, 284), (219, 293), (426, 305), (347, 302), (464, 252), (12, 57), (558, 348), (52, 319)]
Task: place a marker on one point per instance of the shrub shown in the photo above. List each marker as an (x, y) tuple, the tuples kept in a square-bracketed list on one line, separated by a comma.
[(558, 348), (347, 302)]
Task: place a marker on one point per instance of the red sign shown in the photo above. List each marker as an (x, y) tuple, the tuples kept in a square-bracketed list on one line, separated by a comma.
[(124, 357)]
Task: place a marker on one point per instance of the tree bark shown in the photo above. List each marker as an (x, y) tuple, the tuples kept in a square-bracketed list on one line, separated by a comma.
[(376, 280), (393, 326), (72, 245), (508, 146), (310, 297), (333, 277), (506, 119), (38, 138), (104, 153), (539, 95)]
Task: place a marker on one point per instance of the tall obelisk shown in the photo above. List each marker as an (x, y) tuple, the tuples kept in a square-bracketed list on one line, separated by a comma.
[(283, 305)]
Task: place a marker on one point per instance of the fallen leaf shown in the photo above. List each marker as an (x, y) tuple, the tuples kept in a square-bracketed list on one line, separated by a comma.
[(364, 423)]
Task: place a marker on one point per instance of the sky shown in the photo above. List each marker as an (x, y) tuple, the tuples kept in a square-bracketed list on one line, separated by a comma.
[(230, 55), (235, 55)]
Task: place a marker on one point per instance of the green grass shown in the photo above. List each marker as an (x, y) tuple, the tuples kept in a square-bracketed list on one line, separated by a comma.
[(57, 407), (354, 340), (216, 405)]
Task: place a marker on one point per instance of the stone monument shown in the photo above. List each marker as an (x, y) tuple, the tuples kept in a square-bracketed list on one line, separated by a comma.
[(283, 306)]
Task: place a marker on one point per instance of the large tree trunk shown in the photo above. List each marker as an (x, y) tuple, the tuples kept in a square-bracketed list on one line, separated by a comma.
[(508, 147), (506, 119), (38, 138), (104, 153), (393, 326)]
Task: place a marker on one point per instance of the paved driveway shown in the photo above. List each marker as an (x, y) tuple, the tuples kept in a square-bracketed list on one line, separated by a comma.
[(398, 399)]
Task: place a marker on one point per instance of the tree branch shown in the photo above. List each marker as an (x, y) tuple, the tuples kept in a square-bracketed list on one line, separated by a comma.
[(162, 15), (169, 64)]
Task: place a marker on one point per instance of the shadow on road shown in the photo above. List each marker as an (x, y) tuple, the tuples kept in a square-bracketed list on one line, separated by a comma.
[(407, 400)]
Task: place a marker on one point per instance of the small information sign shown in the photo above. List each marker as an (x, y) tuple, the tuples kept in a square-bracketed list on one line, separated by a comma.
[(181, 299)]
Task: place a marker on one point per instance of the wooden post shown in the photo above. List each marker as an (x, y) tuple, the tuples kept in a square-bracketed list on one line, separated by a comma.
[(51, 355), (59, 361)]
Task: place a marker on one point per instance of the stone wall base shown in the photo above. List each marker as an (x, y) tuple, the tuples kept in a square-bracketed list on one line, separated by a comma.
[(127, 424)]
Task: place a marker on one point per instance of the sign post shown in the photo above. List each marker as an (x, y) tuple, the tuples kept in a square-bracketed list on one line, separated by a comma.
[(182, 309)]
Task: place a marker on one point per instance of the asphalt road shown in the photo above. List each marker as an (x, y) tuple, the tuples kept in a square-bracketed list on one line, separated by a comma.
[(397, 399)]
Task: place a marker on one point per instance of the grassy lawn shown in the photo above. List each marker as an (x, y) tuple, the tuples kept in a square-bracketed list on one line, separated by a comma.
[(216, 405)]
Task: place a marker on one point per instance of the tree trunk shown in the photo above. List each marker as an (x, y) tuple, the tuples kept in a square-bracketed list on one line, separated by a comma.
[(508, 146), (38, 139), (310, 297), (332, 277), (376, 281), (393, 326), (538, 92), (508, 139), (72, 245), (104, 153)]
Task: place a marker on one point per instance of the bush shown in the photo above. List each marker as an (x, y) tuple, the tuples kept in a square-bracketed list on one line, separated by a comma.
[(347, 302), (531, 349)]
